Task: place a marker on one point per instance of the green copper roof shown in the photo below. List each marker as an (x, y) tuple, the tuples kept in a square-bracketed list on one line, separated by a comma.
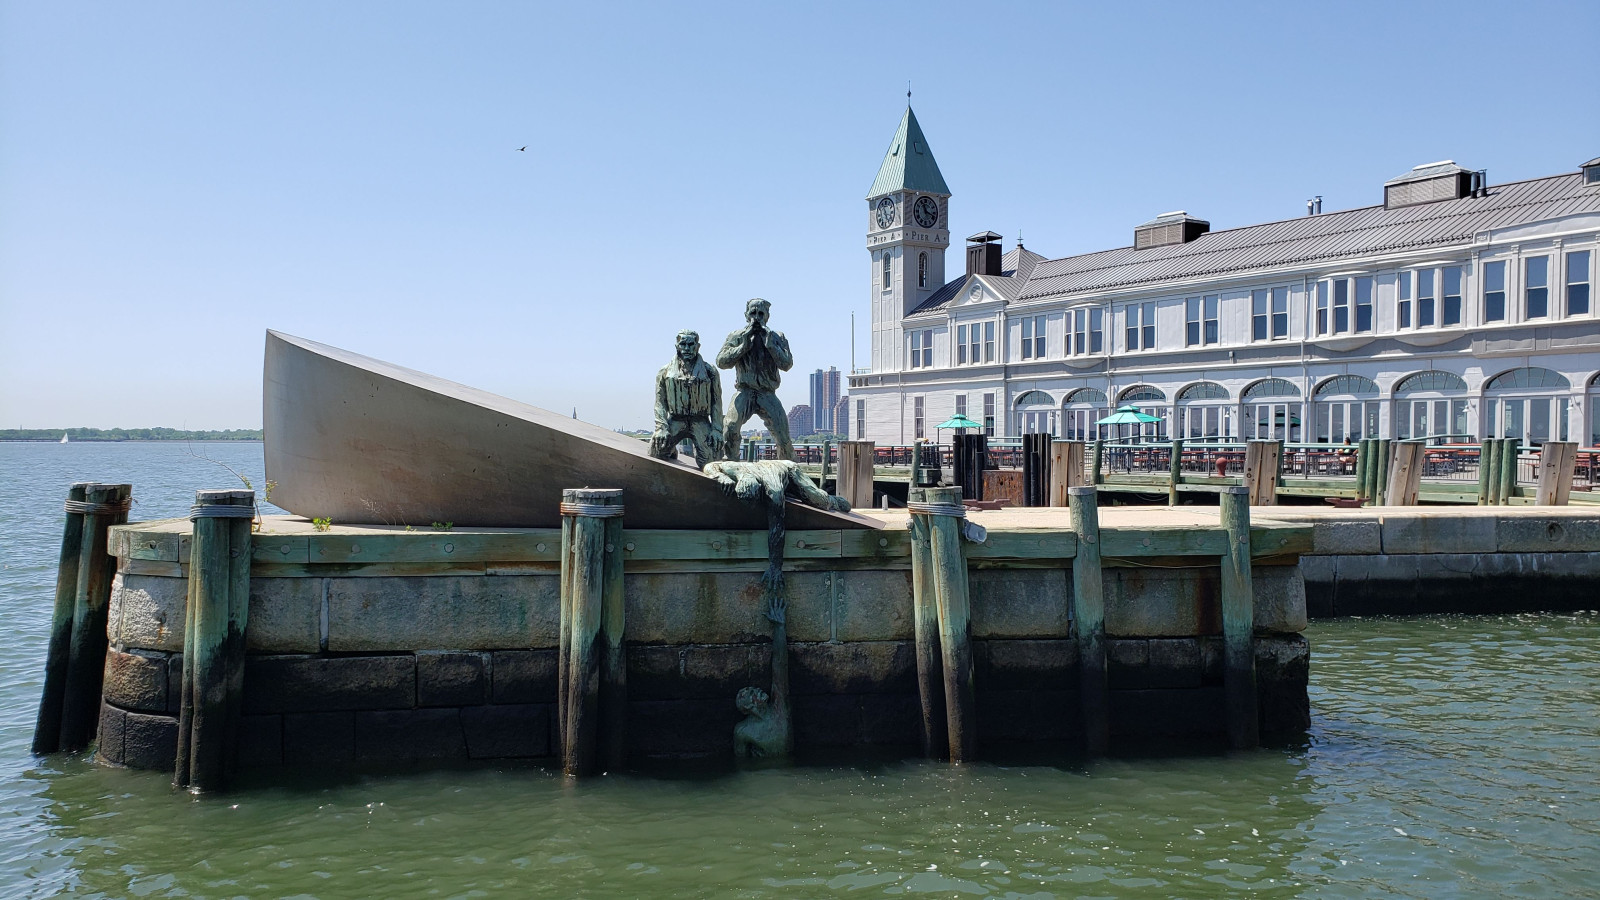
[(909, 165)]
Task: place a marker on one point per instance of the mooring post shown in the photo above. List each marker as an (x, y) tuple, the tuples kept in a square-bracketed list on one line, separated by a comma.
[(1089, 616), (1036, 469), (215, 623), (1489, 462), (58, 658), (588, 539), (1483, 472), (1261, 466), (944, 514), (1099, 457), (925, 630), (1277, 482), (1558, 462), (1363, 462), (1509, 457), (855, 472), (613, 660), (1175, 472), (104, 505), (916, 464), (1066, 469), (1380, 477), (827, 451), (1238, 622), (1405, 474)]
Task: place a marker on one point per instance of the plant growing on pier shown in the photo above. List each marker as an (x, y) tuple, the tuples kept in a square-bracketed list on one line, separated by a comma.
[(322, 524), (266, 495), (443, 526)]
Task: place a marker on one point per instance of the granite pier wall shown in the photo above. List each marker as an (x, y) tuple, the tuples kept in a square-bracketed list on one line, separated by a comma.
[(414, 656)]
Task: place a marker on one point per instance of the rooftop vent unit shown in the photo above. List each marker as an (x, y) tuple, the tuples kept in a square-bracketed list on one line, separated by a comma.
[(1430, 182), (1177, 227), (984, 254), (1591, 171)]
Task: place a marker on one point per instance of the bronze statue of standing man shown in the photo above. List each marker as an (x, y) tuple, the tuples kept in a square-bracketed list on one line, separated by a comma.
[(688, 404), (758, 355)]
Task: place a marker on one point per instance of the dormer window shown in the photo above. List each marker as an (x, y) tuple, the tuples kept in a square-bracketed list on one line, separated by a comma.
[(1591, 171)]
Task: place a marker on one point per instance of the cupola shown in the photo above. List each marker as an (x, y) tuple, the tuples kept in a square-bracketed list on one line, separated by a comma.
[(1176, 227)]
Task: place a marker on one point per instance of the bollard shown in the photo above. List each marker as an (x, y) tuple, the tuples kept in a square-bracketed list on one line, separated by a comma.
[(1089, 615), (591, 555), (1490, 461), (103, 506), (1508, 470), (1098, 458), (1483, 472), (925, 630), (916, 465), (1238, 622), (1261, 467), (215, 622), (944, 513), (1363, 463), (47, 728), (1036, 470), (1380, 475), (1175, 475), (1558, 462), (1066, 469), (1405, 474)]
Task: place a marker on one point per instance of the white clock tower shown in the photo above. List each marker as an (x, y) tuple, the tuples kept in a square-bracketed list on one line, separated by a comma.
[(908, 230)]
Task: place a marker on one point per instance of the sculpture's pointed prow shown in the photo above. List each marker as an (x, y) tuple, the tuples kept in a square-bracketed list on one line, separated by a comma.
[(360, 441)]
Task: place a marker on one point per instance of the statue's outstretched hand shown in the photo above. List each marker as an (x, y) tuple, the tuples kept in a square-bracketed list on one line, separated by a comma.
[(777, 604)]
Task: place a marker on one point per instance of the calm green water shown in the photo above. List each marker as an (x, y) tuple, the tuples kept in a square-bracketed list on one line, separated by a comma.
[(1450, 757)]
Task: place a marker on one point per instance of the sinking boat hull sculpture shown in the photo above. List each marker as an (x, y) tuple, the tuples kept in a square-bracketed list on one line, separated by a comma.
[(361, 441)]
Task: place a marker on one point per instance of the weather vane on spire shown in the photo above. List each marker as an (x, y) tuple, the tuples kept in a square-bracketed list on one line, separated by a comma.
[(908, 92)]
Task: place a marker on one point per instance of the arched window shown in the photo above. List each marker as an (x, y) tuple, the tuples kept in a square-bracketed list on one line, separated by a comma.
[(1528, 403), (1432, 404), (1345, 408), (1036, 413), (922, 270), (1080, 412), (1152, 402), (888, 271), (1594, 410), (1204, 412), (1271, 410)]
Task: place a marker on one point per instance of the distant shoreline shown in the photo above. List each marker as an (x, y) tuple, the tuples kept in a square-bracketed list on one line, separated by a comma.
[(121, 435)]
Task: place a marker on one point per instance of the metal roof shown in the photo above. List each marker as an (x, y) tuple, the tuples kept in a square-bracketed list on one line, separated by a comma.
[(1312, 239), (1427, 170), (1013, 278), (909, 164)]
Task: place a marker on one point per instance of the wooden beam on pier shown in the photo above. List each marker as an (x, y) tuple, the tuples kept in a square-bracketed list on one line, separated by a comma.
[(1558, 462), (1261, 462), (855, 472), (1405, 473), (1066, 469)]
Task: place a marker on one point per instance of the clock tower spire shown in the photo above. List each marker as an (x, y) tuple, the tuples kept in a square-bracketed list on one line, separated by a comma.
[(908, 230)]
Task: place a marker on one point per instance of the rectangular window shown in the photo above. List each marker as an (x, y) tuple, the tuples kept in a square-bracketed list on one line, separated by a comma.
[(861, 420), (988, 343), (917, 417), (1402, 300), (1578, 283), (1191, 322), (1341, 306), (1280, 312), (1033, 335), (1364, 303), (1536, 286), (1096, 330), (1425, 298), (1212, 305), (961, 345), (1258, 315), (1450, 311), (922, 349), (1322, 307), (916, 349), (961, 404), (1494, 292), (1130, 317), (1148, 325), (1027, 337), (988, 414)]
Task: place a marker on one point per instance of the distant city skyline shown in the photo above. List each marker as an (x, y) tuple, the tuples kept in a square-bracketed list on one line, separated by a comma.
[(177, 180)]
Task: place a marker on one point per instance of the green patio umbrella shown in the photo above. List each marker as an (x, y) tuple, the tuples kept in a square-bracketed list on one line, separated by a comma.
[(958, 420), (1128, 415)]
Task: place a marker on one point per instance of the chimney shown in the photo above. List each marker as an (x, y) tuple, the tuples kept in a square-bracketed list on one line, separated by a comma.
[(1314, 206), (983, 254)]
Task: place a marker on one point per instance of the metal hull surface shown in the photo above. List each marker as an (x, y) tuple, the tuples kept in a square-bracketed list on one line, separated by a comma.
[(361, 441)]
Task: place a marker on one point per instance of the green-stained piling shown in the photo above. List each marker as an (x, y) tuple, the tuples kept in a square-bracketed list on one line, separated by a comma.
[(944, 513), (1238, 621), (1089, 616), (591, 557), (58, 658)]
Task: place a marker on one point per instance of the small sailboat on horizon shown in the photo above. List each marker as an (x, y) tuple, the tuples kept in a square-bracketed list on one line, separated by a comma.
[(63, 437)]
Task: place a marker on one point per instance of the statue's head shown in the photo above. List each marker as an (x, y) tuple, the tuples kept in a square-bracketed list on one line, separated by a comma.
[(757, 311), (751, 701), (688, 345)]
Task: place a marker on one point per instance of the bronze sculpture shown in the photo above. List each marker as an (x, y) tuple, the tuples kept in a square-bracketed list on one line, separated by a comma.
[(688, 404), (758, 355)]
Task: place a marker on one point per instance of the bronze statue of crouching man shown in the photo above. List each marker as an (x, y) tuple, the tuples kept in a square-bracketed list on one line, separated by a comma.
[(688, 405)]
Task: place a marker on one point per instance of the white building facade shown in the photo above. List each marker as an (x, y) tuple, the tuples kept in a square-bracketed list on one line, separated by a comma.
[(1457, 310)]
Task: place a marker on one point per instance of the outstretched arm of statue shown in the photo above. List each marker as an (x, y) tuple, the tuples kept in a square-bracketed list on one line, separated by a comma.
[(778, 345), (802, 484), (780, 678), (733, 348)]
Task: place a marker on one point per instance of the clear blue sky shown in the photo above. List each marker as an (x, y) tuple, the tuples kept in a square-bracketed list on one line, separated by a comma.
[(177, 178)]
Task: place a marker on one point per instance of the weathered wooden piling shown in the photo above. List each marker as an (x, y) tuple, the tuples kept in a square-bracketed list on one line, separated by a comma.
[(1036, 470), (1066, 469), (827, 454), (1174, 472), (1089, 617), (855, 472), (1489, 470), (943, 513), (1238, 621), (916, 464), (1483, 472), (1557, 464), (971, 458), (216, 616), (1098, 458), (1405, 474), (1261, 463), (925, 632), (1380, 479), (1509, 457), (58, 658), (1363, 464), (103, 506), (591, 599)]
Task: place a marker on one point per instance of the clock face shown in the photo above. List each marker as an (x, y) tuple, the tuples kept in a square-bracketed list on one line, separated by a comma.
[(926, 211), (885, 212)]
